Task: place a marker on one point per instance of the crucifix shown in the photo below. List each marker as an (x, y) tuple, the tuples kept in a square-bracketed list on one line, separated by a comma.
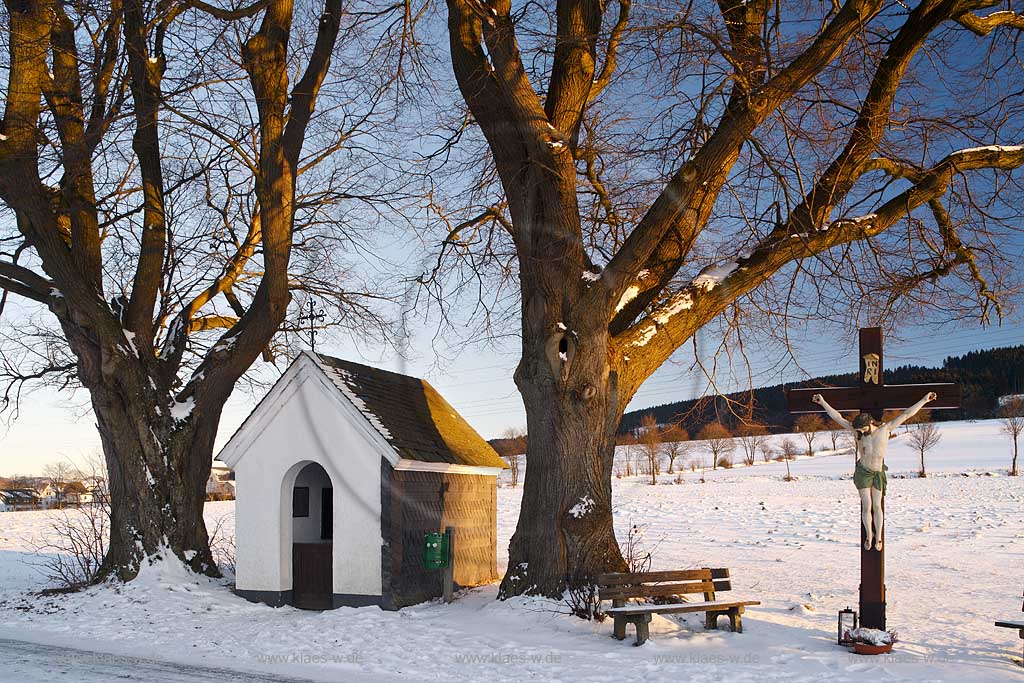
[(870, 399), (313, 317)]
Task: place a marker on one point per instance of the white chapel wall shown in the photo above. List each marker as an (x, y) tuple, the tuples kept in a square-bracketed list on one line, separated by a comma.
[(309, 426)]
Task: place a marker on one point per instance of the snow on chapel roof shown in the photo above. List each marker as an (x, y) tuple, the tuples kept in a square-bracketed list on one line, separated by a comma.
[(410, 414)]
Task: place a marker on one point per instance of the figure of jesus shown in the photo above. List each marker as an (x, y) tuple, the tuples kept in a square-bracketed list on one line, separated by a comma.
[(872, 439)]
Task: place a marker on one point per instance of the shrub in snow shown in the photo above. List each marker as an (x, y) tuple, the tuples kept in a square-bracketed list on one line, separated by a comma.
[(222, 544), (70, 557), (584, 602), (637, 558)]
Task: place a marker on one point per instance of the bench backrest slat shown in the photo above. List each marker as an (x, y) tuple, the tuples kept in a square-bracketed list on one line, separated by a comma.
[(654, 577), (623, 585), (721, 579), (656, 590)]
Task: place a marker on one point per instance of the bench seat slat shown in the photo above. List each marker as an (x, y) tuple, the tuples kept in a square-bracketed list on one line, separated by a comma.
[(656, 590), (680, 608), (654, 577), (1010, 624)]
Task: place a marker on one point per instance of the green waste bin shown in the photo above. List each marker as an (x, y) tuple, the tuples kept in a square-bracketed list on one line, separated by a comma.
[(435, 550)]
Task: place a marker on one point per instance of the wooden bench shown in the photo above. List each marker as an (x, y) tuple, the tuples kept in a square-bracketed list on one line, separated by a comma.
[(1019, 625), (622, 586)]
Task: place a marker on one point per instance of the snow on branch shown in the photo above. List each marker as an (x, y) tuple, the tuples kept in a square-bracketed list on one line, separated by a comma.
[(708, 279), (982, 26)]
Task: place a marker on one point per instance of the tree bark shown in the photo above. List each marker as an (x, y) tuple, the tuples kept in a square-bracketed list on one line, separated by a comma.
[(566, 538), (158, 452), (157, 487)]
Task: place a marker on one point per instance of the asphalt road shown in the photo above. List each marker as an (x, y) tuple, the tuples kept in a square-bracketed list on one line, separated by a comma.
[(30, 662)]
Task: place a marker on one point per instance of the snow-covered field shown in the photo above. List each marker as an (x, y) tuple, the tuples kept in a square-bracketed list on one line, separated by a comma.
[(955, 564)]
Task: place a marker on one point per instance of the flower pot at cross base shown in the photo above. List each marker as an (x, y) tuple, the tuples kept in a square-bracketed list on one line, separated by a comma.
[(867, 649)]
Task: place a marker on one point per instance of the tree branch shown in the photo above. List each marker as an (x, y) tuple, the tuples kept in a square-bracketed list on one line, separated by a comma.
[(982, 26), (229, 14), (305, 91), (611, 52), (146, 74), (652, 340), (572, 71), (685, 203)]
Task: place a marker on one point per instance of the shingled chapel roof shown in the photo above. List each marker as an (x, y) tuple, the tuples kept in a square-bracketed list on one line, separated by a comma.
[(409, 413)]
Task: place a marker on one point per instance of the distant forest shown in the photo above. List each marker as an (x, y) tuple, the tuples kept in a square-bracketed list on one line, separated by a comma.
[(983, 375)]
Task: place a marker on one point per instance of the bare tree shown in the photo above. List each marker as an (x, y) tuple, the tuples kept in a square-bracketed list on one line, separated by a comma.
[(1013, 427), (717, 441), (751, 436), (650, 445), (676, 445), (788, 452), (654, 167), (808, 427), (517, 445), (154, 167), (835, 433), (924, 437)]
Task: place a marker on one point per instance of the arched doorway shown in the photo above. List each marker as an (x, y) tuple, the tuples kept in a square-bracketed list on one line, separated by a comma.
[(312, 538)]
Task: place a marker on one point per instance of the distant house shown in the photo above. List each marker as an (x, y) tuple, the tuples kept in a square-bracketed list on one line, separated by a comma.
[(75, 493), (95, 491), (342, 470), (15, 499), (49, 495), (86, 492), (221, 483)]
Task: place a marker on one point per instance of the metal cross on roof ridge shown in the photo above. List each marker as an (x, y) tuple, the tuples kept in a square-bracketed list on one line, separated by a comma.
[(313, 317)]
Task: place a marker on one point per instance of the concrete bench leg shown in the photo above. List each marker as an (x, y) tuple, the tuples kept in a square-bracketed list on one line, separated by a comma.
[(735, 620), (619, 628), (643, 631), (711, 620)]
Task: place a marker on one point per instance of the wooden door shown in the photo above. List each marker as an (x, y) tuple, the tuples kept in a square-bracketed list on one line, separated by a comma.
[(312, 571)]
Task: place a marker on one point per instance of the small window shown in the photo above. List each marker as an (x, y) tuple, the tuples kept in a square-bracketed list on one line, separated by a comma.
[(300, 501)]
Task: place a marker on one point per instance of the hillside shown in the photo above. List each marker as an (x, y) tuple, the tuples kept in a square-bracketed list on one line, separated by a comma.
[(983, 375)]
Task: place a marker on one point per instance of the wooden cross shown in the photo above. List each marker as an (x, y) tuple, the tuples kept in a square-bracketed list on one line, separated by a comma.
[(874, 397)]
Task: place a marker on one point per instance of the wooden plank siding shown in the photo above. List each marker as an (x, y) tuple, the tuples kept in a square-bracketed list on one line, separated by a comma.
[(418, 503)]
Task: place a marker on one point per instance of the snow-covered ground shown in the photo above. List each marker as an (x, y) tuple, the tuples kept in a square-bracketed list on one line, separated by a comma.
[(955, 564)]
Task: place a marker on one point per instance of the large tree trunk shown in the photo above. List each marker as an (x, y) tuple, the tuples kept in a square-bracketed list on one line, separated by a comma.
[(157, 469), (168, 515), (565, 535), (158, 452)]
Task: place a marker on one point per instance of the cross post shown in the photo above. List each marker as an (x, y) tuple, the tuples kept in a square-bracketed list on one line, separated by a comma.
[(873, 396)]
